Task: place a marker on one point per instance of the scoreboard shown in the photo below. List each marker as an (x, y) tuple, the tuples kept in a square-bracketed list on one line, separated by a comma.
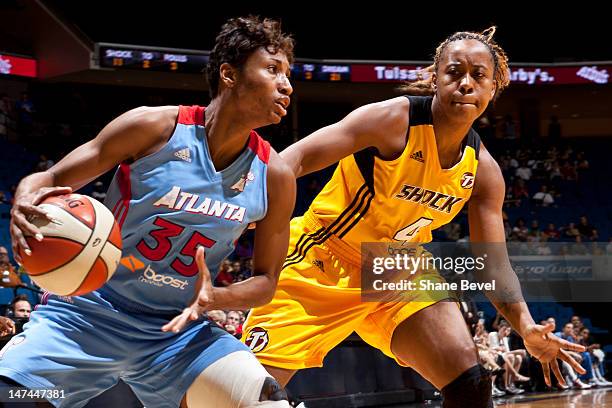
[(192, 61), (158, 59), (120, 56), (321, 72)]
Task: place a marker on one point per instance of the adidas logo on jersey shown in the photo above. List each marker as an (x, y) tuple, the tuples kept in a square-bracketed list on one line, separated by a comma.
[(418, 156), (184, 154)]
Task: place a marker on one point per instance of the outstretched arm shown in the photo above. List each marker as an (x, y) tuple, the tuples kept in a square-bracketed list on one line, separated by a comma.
[(129, 136), (382, 125), (487, 236)]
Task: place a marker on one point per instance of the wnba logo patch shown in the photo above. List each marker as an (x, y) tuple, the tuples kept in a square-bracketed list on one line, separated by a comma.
[(257, 339), (467, 180)]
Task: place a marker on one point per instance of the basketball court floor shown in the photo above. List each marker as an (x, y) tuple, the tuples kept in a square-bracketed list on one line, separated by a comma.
[(565, 399)]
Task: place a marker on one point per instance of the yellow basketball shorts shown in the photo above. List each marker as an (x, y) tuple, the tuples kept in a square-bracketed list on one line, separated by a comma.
[(318, 304)]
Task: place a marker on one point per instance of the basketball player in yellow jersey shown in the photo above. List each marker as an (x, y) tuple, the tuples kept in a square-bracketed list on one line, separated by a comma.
[(408, 165)]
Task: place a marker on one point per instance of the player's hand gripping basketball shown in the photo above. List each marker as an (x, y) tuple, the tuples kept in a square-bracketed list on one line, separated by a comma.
[(203, 301), (547, 348), (24, 208)]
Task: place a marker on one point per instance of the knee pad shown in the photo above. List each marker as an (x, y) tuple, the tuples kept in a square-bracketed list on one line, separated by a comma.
[(237, 380), (472, 389)]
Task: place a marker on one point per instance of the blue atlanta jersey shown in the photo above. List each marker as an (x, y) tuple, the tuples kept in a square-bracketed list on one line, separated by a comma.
[(171, 202)]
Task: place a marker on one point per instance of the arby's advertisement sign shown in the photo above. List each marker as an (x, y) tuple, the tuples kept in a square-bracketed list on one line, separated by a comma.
[(527, 75)]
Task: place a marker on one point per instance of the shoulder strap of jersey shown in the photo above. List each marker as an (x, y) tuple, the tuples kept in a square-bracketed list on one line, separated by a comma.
[(420, 110), (473, 140)]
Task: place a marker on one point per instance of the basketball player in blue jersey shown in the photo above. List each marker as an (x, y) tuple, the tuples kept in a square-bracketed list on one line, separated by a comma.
[(190, 180)]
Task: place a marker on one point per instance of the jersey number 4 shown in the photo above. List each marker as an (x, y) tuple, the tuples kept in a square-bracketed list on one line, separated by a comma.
[(164, 245), (408, 232)]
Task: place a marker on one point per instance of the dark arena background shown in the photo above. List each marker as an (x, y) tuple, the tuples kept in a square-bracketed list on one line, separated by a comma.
[(68, 68)]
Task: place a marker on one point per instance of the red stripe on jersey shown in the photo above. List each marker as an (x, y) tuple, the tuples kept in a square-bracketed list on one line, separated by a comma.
[(191, 115), (125, 187), (259, 146)]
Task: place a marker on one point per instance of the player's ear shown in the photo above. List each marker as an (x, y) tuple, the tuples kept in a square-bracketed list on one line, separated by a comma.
[(434, 80), (227, 74)]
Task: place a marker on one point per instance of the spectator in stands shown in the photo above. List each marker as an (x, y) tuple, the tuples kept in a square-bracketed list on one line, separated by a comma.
[(217, 316), (567, 153), (511, 200), (570, 232), (583, 358), (579, 249), (571, 378), (513, 359), (582, 164), (519, 189), (568, 171), (225, 276), (598, 357), (596, 249), (543, 248), (21, 307), (3, 199), (534, 231), (513, 162), (586, 230), (524, 172), (487, 356), (238, 272), (18, 314), (8, 276), (543, 198), (520, 231), (234, 321), (577, 323), (99, 193), (247, 268), (551, 233), (554, 172)]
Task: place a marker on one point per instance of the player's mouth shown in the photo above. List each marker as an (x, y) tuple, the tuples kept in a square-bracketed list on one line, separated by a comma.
[(465, 103), (282, 107)]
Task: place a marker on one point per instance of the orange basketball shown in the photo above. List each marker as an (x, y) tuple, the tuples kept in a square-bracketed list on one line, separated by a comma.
[(79, 252)]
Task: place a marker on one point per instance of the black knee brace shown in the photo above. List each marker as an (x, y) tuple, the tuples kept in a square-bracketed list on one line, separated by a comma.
[(472, 389), (271, 390)]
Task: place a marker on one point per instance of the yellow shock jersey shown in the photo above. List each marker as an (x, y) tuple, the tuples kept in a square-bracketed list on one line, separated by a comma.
[(369, 199)]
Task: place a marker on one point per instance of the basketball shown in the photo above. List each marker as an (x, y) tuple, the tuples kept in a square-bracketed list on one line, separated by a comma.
[(80, 249)]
